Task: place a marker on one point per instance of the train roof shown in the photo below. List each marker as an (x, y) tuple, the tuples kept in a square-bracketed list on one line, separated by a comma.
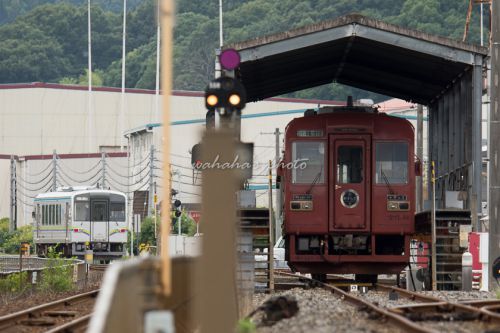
[(70, 192), (363, 118)]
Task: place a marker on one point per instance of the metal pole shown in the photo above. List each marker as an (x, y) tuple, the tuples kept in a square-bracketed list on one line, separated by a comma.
[(420, 155), (277, 220), (166, 82), (122, 108), (477, 162), (12, 224), (157, 80), (493, 146), (221, 35), (132, 238), (433, 227), (89, 93), (481, 23), (271, 229), (54, 171), (103, 170), (151, 180)]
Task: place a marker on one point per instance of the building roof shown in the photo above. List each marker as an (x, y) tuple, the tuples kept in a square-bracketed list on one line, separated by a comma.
[(184, 93), (356, 51)]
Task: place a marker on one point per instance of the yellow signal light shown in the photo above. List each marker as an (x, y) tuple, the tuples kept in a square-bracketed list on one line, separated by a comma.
[(234, 99), (212, 100)]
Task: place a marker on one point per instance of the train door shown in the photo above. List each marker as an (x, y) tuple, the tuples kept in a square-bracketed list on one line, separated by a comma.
[(99, 220), (349, 179)]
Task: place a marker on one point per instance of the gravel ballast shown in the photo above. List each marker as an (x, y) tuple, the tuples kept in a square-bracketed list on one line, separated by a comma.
[(321, 311)]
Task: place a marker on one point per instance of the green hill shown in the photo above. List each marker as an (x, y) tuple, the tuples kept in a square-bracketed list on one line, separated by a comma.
[(46, 40)]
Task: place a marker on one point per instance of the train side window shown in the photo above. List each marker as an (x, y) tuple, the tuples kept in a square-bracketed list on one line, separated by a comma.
[(309, 159), (82, 211), (44, 215), (82, 208), (51, 214), (349, 164), (391, 162)]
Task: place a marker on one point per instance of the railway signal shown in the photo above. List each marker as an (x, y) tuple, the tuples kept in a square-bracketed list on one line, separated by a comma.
[(176, 208), (226, 95)]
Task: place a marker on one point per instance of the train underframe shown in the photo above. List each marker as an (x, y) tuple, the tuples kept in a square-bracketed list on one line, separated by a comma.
[(360, 254), (101, 250)]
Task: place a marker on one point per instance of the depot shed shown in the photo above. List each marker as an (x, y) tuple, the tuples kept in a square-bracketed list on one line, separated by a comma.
[(443, 74)]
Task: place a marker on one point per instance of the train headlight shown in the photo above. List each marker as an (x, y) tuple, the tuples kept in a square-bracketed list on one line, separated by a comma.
[(301, 205), (398, 206)]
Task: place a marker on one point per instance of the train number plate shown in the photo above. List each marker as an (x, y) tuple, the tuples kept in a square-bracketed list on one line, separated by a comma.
[(302, 197), (397, 197)]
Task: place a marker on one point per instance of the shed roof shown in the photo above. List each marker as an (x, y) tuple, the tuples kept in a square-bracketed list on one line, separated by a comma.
[(357, 51)]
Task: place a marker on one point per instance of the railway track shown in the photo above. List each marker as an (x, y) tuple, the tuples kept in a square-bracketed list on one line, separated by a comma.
[(422, 313), (70, 314), (98, 267)]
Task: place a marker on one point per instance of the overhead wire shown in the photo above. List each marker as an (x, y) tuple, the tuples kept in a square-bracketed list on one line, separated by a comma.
[(60, 176), (80, 172), (39, 173), (24, 194), (34, 182), (25, 203), (62, 172), (43, 186), (117, 182), (143, 169), (115, 172)]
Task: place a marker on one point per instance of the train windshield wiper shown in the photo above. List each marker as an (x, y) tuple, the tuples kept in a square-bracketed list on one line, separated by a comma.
[(315, 180), (384, 177)]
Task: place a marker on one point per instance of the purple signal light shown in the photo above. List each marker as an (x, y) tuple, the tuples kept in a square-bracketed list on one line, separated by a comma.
[(229, 59)]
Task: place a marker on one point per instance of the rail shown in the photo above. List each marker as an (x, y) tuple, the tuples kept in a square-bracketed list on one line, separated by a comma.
[(404, 316), (24, 316)]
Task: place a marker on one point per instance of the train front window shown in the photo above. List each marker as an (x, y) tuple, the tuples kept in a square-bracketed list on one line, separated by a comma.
[(117, 212), (391, 163), (308, 158), (99, 211), (349, 164)]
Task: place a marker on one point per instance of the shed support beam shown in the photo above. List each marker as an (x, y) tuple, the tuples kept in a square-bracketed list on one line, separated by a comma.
[(493, 146), (477, 94)]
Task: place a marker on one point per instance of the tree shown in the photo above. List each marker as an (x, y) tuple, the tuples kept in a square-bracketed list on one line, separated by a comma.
[(188, 225), (27, 55)]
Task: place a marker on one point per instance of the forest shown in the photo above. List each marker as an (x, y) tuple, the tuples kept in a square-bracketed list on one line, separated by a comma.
[(46, 40)]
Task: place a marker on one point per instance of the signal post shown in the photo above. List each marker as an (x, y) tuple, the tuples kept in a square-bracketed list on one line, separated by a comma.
[(217, 306)]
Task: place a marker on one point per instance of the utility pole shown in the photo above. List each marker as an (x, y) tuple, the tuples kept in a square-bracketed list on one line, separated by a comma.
[(13, 195), (54, 171), (420, 155), (151, 180), (494, 149), (103, 170)]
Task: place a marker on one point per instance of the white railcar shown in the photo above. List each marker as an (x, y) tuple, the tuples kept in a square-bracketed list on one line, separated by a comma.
[(74, 219)]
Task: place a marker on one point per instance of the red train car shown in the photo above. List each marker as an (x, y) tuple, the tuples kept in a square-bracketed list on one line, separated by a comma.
[(348, 183)]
